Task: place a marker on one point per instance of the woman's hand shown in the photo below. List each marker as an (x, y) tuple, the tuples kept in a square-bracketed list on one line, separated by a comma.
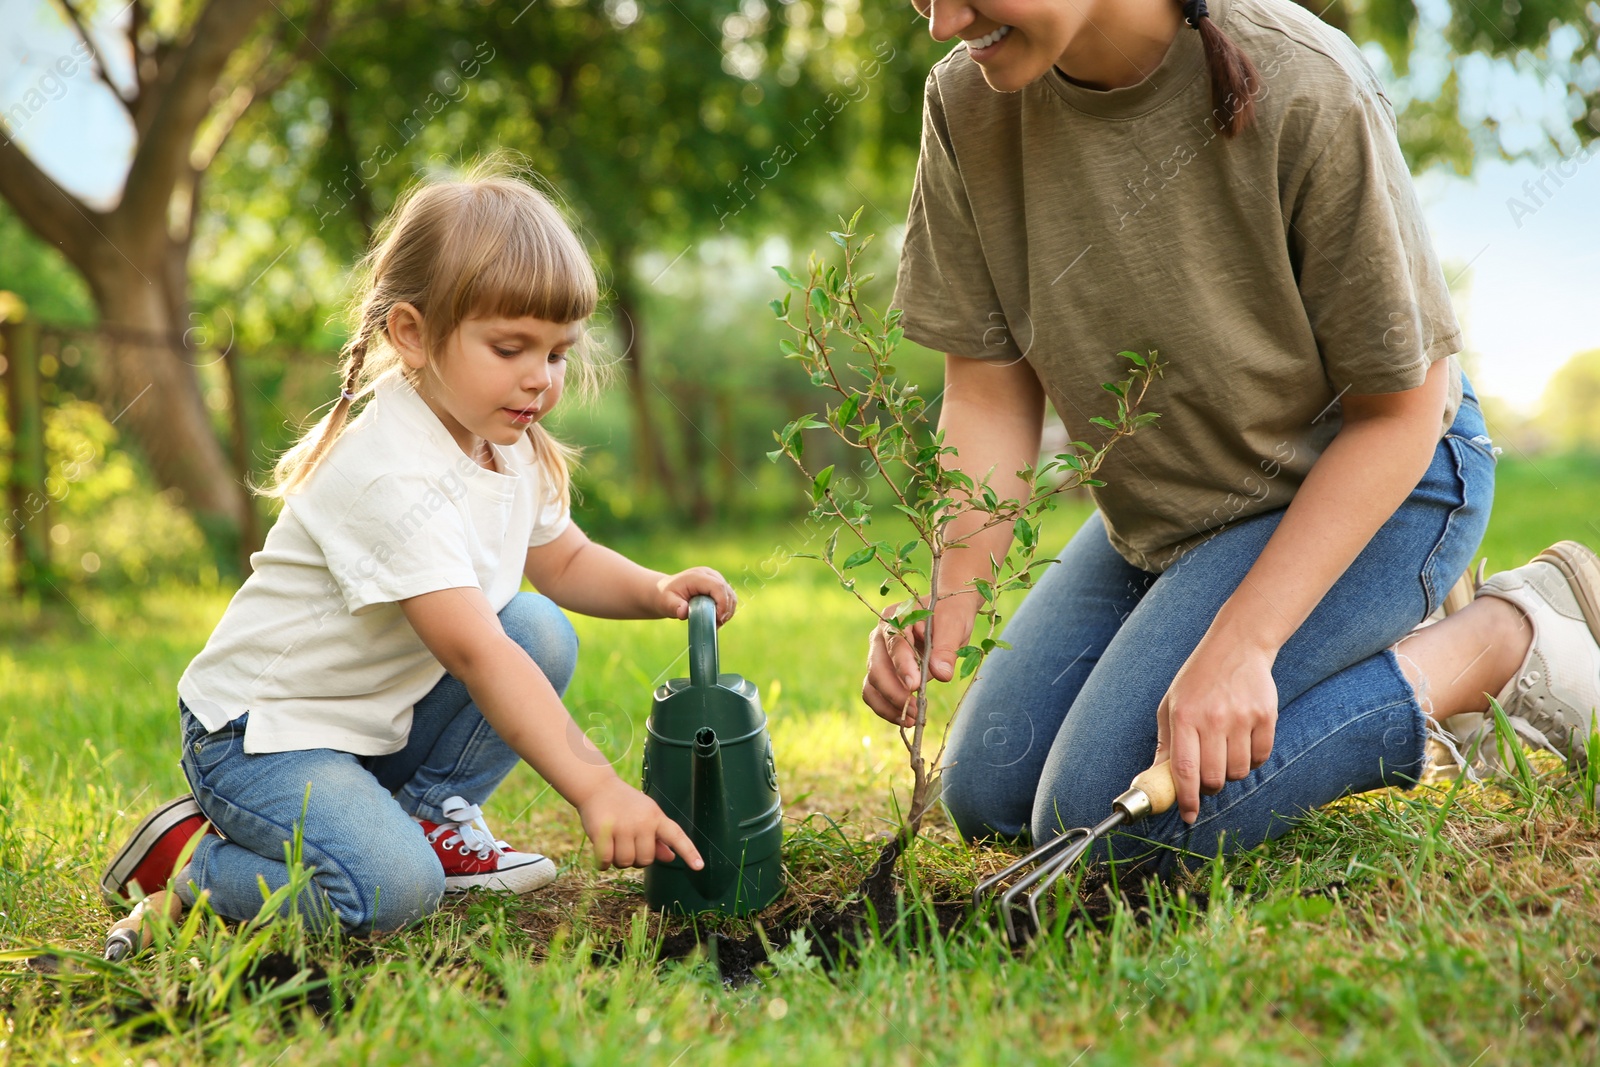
[(629, 830), (893, 677), (676, 589), (1218, 717)]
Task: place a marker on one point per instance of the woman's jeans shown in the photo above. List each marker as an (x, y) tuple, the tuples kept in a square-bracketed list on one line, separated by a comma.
[(373, 867), (1056, 727)]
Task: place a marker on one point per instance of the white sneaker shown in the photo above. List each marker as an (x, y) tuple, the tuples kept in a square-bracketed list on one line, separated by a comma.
[(1551, 699)]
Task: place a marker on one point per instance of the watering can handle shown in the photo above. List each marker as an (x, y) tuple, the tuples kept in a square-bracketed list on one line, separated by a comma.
[(703, 665)]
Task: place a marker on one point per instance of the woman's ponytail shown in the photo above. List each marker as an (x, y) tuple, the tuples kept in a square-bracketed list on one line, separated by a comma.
[(1234, 79)]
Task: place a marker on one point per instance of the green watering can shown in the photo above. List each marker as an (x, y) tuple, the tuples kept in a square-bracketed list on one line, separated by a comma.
[(708, 763)]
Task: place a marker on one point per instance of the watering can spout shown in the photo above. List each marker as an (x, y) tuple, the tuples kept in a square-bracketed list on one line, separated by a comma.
[(708, 807)]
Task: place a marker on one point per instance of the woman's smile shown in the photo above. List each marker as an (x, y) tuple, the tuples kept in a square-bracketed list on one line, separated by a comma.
[(981, 48)]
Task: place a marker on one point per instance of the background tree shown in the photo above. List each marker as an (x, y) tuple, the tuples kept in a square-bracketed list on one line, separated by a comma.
[(195, 70), (666, 126), (1570, 411)]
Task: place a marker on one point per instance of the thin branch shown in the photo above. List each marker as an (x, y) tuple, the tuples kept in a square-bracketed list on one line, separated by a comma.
[(100, 69), (266, 77), (58, 217), (183, 103)]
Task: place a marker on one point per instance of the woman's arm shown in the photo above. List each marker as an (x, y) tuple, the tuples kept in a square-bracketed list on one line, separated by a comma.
[(1217, 719), (993, 415), (593, 580)]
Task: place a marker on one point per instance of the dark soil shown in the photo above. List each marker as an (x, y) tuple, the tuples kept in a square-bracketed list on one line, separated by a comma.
[(837, 931), (833, 931)]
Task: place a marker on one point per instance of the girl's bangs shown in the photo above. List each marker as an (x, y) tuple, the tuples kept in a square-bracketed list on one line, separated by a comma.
[(516, 259)]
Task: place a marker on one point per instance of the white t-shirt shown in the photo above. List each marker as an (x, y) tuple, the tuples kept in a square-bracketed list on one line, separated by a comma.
[(314, 645)]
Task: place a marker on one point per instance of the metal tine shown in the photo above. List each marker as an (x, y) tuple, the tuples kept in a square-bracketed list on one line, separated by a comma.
[(1058, 870), (1038, 855), (1153, 792)]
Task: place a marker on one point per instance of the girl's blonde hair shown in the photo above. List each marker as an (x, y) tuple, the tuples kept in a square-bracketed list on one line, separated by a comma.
[(487, 244)]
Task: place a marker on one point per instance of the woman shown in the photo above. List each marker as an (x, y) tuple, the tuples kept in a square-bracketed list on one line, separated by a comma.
[(1223, 187)]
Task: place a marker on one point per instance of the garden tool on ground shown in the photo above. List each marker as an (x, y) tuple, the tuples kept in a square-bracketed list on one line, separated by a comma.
[(1152, 793), (131, 934), (708, 764)]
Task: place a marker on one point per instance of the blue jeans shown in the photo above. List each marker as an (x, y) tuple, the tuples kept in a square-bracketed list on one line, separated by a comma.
[(374, 869), (1056, 727)]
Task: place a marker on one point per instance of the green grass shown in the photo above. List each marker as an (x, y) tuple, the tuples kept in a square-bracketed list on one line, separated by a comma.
[(1426, 927)]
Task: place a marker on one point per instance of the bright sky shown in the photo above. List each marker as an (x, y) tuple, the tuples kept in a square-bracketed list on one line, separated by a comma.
[(1535, 270)]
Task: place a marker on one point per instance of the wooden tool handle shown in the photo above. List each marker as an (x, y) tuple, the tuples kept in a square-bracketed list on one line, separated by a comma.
[(1157, 784), (138, 922)]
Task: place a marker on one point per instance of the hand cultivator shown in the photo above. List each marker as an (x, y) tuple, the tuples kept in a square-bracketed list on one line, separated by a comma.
[(1151, 793), (131, 934)]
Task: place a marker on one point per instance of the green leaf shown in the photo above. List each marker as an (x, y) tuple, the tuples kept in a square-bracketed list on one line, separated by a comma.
[(906, 549), (860, 556), (788, 279), (1146, 419), (1102, 421), (777, 308), (848, 409), (773, 455), (832, 545), (1093, 481), (840, 239), (1112, 387), (1135, 357), (913, 512), (911, 618), (971, 659), (819, 484), (788, 348), (819, 301)]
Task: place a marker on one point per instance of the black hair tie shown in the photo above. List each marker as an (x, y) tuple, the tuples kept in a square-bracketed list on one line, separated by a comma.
[(1194, 11)]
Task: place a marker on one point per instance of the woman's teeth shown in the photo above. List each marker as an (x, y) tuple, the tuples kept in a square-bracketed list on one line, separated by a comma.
[(986, 41)]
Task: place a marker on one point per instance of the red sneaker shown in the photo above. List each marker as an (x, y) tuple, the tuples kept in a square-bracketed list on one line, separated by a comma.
[(472, 857), (150, 858)]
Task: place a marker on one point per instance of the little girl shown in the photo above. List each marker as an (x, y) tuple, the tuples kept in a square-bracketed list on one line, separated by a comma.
[(379, 670)]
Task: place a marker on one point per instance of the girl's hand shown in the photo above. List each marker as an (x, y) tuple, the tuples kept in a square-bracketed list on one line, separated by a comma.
[(1217, 719), (629, 830), (675, 591), (893, 677)]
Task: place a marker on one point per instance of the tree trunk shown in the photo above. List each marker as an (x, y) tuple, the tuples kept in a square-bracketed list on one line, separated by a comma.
[(27, 523), (154, 394), (649, 449), (245, 426), (696, 464), (723, 398)]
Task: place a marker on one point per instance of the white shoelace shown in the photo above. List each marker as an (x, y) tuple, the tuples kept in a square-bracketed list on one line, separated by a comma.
[(466, 822)]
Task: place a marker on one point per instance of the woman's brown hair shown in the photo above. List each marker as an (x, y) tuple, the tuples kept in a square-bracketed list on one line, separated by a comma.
[(486, 244), (1234, 79)]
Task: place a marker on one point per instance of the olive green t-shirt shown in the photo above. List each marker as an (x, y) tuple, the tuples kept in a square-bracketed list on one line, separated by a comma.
[(1273, 272)]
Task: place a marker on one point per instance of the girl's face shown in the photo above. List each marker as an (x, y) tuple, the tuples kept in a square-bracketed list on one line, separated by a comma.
[(1014, 42), (496, 376)]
